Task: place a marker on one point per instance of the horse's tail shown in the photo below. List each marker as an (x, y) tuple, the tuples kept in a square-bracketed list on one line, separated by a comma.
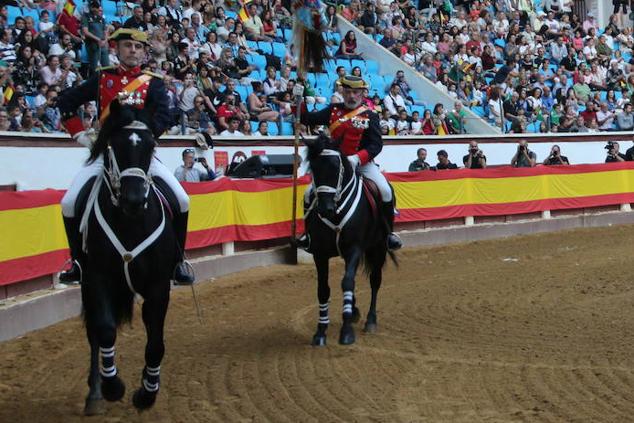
[(121, 302)]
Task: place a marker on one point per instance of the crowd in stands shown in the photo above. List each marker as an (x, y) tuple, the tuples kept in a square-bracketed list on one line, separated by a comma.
[(523, 65), (526, 66)]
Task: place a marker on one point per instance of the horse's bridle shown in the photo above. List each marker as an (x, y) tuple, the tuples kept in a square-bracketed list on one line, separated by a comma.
[(112, 177), (356, 185), (115, 174)]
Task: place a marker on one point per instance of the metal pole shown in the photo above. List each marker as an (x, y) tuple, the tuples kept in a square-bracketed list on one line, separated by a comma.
[(298, 113)]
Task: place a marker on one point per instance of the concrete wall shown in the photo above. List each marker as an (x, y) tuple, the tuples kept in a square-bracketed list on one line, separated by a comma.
[(426, 90)]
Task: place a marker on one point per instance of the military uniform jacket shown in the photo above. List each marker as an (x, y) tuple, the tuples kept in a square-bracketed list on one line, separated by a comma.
[(147, 91), (357, 130)]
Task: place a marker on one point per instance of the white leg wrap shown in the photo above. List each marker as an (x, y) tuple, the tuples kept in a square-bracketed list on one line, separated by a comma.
[(307, 193), (68, 201), (159, 170), (371, 171)]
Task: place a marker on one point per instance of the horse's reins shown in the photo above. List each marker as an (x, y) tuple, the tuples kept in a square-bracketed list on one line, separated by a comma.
[(113, 183), (355, 184)]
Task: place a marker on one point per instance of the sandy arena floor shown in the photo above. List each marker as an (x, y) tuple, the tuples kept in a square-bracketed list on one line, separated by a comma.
[(535, 328)]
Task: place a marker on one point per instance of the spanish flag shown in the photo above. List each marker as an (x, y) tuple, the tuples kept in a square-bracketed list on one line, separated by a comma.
[(69, 7), (243, 15), (8, 94)]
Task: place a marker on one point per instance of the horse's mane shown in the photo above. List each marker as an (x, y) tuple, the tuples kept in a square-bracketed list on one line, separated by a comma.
[(120, 116), (321, 143)]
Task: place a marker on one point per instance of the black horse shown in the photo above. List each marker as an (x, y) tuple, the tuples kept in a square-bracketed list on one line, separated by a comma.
[(130, 250), (344, 219)]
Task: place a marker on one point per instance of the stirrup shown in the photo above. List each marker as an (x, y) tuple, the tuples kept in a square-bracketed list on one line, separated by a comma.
[(71, 276), (187, 276), (303, 242), (394, 242)]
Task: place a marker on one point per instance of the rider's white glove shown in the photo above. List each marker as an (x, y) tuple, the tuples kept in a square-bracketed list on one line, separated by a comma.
[(86, 138), (354, 160)]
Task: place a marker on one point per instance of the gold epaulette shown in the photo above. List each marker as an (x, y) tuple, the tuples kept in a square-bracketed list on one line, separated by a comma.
[(103, 68), (155, 75)]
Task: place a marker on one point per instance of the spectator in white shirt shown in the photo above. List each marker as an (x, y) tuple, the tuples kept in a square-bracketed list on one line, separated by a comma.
[(51, 73), (394, 101), (605, 118), (263, 129), (232, 129)]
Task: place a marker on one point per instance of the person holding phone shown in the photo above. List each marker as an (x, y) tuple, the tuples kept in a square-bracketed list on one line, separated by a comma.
[(188, 173)]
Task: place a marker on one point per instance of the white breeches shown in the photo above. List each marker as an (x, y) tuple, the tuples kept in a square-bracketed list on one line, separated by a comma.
[(157, 169), (370, 171)]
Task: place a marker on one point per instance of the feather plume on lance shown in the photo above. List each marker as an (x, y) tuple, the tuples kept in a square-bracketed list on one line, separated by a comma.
[(308, 42)]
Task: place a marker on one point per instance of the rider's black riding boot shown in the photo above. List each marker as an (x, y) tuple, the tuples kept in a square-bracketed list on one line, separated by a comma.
[(393, 241), (72, 275), (183, 274)]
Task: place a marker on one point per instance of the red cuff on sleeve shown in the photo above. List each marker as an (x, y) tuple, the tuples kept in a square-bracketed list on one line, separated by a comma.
[(364, 156), (73, 125)]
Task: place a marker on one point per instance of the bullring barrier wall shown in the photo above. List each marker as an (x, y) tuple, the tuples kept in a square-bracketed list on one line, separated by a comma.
[(33, 243)]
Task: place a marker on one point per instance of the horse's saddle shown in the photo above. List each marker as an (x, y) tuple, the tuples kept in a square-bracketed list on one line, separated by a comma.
[(372, 193)]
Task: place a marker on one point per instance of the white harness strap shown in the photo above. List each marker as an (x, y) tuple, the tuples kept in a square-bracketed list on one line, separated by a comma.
[(338, 191), (128, 256)]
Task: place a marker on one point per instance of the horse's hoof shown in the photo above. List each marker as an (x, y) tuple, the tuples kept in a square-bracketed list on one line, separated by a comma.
[(94, 407), (112, 388), (142, 399), (347, 336), (370, 327), (356, 315), (319, 341)]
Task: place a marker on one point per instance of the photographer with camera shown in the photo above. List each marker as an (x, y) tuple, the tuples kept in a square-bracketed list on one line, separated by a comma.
[(613, 153), (524, 157), (420, 163), (476, 158), (188, 173), (555, 158)]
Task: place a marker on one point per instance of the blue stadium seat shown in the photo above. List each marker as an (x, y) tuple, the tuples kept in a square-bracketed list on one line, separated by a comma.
[(254, 126), (335, 37), (257, 60), (267, 48), (618, 95), (279, 50), (418, 108), (322, 80), (478, 110), (288, 34), (345, 63), (255, 75), (273, 129), (378, 37), (228, 13), (287, 128), (372, 66), (320, 106), (253, 45), (242, 90), (311, 78), (603, 95)]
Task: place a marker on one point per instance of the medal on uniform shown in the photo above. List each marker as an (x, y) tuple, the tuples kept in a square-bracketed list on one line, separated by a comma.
[(124, 80), (109, 83)]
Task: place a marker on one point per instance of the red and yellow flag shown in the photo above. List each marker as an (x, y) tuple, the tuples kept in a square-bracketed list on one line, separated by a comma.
[(69, 7), (8, 94), (243, 15)]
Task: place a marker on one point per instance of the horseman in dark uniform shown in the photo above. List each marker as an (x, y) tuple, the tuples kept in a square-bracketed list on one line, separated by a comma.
[(144, 90), (356, 128)]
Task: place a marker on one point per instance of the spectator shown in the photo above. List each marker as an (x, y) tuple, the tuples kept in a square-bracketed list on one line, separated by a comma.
[(49, 113), (263, 129), (475, 159), (625, 119), (232, 129), (613, 153), (555, 158), (7, 49), (456, 119), (605, 118), (52, 74), (253, 26), (402, 124), (428, 123), (439, 119), (394, 102), (524, 157), (136, 21), (188, 173), (95, 35), (258, 107), (348, 47), (443, 161), (416, 124), (420, 163)]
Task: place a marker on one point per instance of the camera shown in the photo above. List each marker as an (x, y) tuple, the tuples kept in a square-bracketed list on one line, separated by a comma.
[(610, 147), (198, 159)]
